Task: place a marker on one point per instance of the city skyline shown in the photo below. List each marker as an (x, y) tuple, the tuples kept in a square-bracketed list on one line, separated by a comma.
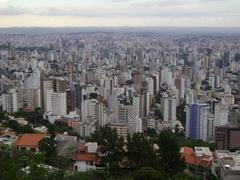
[(136, 13)]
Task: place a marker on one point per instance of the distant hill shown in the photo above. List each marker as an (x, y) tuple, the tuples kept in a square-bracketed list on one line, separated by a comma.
[(171, 30)]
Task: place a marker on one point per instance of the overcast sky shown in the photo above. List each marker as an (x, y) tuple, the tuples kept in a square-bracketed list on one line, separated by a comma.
[(211, 13)]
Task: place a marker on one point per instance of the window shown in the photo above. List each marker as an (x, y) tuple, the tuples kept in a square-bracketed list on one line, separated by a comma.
[(76, 167), (33, 149)]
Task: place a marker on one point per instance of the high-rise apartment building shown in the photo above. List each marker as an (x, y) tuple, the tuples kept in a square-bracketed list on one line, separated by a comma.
[(168, 107), (10, 101), (197, 121), (56, 103)]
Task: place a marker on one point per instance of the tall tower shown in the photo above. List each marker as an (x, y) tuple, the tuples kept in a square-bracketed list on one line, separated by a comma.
[(197, 121)]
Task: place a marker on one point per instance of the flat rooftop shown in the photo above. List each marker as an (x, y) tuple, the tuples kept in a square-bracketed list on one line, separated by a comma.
[(229, 159), (202, 151)]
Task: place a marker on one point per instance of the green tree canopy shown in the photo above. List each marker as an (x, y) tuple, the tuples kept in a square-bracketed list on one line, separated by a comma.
[(147, 173), (140, 151), (48, 146), (169, 153), (111, 145)]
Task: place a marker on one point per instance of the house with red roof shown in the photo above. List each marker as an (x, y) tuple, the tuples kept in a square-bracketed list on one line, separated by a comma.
[(88, 157), (200, 156), (29, 141)]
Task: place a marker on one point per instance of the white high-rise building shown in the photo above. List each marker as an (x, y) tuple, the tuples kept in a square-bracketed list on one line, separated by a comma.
[(33, 81), (123, 112), (168, 108), (89, 109), (166, 76), (165, 107), (46, 86), (150, 86), (107, 85), (212, 81), (136, 105), (221, 115), (101, 114), (156, 82), (172, 108), (86, 128), (56, 103), (10, 101), (134, 121), (113, 103), (182, 88), (217, 81), (59, 106)]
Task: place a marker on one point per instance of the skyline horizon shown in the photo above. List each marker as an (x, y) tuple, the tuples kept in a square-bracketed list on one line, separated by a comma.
[(122, 26)]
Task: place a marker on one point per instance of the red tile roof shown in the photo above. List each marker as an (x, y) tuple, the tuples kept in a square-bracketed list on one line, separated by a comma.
[(190, 157), (188, 151), (29, 140)]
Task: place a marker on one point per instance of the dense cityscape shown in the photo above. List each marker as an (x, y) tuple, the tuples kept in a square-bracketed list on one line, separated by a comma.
[(127, 104)]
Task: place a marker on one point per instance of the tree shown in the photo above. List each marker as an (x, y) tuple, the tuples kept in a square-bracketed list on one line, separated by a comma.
[(19, 128), (9, 168), (158, 114), (34, 117), (169, 153), (129, 82), (48, 146), (182, 176), (140, 151), (111, 146), (205, 83), (40, 172), (158, 97), (181, 113), (147, 173), (3, 116), (151, 132), (93, 96)]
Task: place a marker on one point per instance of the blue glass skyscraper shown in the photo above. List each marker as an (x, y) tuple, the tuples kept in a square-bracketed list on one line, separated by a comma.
[(197, 121)]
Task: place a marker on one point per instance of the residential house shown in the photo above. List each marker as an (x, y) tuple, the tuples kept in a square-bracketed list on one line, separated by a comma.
[(29, 141), (200, 156), (88, 157)]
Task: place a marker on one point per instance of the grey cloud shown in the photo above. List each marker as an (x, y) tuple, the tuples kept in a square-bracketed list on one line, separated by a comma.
[(138, 12), (171, 3), (71, 11), (13, 10), (122, 1), (129, 11)]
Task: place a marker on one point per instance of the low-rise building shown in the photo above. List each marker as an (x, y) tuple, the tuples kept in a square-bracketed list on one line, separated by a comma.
[(227, 137), (67, 146), (29, 141), (227, 165), (200, 156), (88, 157), (7, 141)]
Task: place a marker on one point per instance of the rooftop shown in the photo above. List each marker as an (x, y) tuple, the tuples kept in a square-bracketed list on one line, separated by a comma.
[(202, 151), (29, 139), (230, 160), (202, 156)]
